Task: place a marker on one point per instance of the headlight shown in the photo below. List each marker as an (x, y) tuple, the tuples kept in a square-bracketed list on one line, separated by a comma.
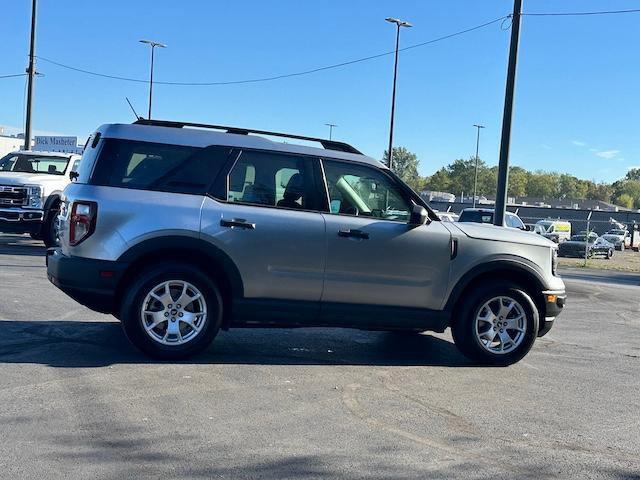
[(554, 261), (34, 195)]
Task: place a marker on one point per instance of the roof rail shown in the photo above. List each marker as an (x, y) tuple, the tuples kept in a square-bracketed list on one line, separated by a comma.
[(326, 144)]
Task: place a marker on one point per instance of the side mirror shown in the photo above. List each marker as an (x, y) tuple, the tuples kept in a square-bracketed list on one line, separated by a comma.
[(419, 215), (527, 228), (73, 175)]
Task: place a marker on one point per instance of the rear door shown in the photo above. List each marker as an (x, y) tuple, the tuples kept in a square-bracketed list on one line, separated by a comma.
[(266, 220), (373, 256)]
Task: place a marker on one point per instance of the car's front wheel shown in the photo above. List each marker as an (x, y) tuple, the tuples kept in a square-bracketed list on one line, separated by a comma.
[(496, 325), (172, 311)]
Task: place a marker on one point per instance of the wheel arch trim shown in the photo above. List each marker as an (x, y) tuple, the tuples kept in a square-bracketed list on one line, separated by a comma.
[(515, 265), (178, 245)]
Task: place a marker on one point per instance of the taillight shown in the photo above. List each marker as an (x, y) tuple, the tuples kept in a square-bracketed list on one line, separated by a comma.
[(82, 222)]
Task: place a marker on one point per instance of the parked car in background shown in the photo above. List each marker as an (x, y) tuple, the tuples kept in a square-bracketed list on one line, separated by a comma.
[(556, 230), (621, 239), (30, 187), (448, 216), (592, 245), (485, 215), (535, 228), (180, 232)]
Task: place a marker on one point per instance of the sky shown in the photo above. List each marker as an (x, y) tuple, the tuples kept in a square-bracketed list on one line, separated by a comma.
[(577, 90)]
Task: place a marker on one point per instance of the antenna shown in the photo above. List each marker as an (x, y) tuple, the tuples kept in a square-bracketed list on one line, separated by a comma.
[(138, 117)]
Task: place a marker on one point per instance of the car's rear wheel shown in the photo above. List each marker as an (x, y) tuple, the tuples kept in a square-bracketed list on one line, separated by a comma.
[(49, 232), (172, 311), (496, 325)]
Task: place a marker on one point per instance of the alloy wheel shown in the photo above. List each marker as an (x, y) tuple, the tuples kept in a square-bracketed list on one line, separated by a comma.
[(501, 324), (174, 312)]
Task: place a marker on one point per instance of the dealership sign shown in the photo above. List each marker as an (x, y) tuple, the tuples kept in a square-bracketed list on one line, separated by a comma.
[(54, 143)]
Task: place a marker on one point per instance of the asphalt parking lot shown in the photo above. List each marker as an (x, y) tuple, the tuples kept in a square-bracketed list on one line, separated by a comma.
[(77, 401)]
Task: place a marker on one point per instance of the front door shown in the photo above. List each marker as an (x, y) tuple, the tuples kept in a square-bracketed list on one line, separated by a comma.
[(373, 256)]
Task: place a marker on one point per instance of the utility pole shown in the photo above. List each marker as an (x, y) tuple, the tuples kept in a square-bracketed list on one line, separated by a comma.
[(331, 126), (153, 46), (507, 117), (31, 72), (475, 182), (399, 24)]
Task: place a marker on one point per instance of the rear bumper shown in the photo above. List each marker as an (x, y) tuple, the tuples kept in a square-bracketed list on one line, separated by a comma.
[(92, 283), (14, 220), (554, 304)]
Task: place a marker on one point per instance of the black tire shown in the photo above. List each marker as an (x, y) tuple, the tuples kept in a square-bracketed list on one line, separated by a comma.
[(609, 254), (49, 232), (463, 328), (132, 321)]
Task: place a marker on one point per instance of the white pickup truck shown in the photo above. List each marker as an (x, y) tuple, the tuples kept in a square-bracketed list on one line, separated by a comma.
[(30, 187)]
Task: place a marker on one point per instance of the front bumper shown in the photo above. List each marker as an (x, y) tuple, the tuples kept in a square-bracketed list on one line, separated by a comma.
[(554, 304), (16, 220), (92, 283)]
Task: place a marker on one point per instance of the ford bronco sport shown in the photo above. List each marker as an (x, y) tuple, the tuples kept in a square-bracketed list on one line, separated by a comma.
[(30, 188), (181, 229)]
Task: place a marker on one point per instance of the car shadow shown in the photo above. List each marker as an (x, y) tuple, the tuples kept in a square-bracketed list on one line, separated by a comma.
[(96, 344), (21, 245)]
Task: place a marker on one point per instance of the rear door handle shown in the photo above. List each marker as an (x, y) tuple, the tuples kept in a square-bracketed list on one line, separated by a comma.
[(237, 222), (353, 234)]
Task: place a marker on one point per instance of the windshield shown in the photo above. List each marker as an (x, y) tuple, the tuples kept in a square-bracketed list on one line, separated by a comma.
[(33, 163), (476, 216)]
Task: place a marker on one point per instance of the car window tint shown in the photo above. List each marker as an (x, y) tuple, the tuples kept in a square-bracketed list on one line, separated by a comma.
[(364, 191), (160, 167), (270, 179)]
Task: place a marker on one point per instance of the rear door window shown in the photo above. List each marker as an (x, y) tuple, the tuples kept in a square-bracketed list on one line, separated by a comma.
[(272, 179), (160, 167)]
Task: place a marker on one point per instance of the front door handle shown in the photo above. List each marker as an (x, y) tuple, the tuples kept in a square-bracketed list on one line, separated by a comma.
[(350, 233), (237, 222)]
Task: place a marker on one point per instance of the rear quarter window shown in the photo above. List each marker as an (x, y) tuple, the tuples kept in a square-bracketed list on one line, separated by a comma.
[(158, 167)]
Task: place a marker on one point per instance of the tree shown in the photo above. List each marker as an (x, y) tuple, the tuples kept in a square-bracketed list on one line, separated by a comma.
[(625, 200), (633, 174), (405, 165), (542, 184), (463, 173), (600, 191), (518, 180), (439, 181)]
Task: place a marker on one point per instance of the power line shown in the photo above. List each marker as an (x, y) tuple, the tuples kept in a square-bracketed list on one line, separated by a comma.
[(336, 65), (568, 14), (14, 75), (277, 77)]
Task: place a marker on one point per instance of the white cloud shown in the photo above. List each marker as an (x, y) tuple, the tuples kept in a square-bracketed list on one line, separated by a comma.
[(608, 154), (578, 143)]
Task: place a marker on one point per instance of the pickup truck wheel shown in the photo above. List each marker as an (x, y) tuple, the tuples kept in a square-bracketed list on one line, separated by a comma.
[(172, 311), (497, 325), (49, 232)]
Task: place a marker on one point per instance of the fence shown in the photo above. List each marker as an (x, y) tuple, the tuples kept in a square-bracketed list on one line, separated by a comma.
[(578, 217)]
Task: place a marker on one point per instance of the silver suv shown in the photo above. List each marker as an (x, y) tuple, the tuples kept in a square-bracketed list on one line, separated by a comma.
[(181, 229)]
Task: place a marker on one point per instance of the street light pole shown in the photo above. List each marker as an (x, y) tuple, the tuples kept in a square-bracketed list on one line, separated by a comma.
[(507, 117), (399, 23), (475, 183), (331, 126), (31, 72), (153, 47)]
